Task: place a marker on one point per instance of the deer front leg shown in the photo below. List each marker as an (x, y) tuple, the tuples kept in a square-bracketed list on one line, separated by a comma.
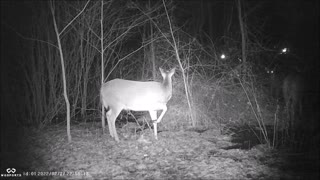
[(153, 115)]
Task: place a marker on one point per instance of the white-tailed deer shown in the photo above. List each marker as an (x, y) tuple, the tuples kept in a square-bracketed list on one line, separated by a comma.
[(275, 82), (120, 94), (293, 93)]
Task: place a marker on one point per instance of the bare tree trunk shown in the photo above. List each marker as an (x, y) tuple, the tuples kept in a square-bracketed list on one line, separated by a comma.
[(151, 50), (63, 74), (102, 65), (152, 58), (65, 94), (243, 33), (181, 67)]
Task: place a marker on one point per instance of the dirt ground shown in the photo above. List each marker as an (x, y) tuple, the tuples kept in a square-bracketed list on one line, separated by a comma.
[(189, 154)]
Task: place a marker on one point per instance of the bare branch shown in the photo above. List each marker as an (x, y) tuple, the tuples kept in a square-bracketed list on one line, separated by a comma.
[(28, 38), (74, 18)]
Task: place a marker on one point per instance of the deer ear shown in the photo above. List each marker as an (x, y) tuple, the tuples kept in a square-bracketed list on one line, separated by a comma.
[(172, 71)]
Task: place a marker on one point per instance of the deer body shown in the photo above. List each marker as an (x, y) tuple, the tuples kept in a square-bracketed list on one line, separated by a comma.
[(293, 94), (275, 83), (120, 94), (276, 87)]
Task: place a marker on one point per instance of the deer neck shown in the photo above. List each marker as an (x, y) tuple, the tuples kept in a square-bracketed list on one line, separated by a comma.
[(167, 87)]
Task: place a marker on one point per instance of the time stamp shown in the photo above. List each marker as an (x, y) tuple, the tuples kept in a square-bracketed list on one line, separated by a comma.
[(56, 173), (12, 173)]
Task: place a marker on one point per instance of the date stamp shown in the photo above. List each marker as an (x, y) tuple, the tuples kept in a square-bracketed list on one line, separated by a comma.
[(55, 173)]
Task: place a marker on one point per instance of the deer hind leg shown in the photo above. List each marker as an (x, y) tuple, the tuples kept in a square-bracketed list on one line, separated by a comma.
[(108, 116), (112, 115), (289, 111), (297, 113), (292, 115)]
